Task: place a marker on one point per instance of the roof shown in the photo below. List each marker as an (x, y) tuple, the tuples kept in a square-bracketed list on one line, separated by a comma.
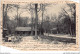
[(23, 29), (54, 29), (4, 29)]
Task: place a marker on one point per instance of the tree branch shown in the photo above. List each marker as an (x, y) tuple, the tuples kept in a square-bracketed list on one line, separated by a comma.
[(66, 12)]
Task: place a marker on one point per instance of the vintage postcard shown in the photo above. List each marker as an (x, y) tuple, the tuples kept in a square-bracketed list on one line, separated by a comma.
[(40, 25)]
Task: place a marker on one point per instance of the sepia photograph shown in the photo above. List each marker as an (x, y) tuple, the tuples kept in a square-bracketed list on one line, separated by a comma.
[(39, 26)]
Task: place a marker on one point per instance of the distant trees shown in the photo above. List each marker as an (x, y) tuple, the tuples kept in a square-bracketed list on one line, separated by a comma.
[(11, 24), (70, 19), (31, 12), (65, 22), (73, 18)]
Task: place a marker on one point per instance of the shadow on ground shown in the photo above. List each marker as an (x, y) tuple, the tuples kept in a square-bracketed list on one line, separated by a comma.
[(58, 39)]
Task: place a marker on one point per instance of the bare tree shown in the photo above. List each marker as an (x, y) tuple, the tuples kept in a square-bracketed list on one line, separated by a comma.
[(43, 9), (71, 18), (5, 10), (31, 12), (17, 9), (5, 7), (36, 20), (17, 6)]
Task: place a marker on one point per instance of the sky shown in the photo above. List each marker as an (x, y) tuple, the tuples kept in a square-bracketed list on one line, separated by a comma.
[(52, 9)]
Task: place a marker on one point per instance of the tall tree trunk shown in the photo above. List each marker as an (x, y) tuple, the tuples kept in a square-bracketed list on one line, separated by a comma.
[(71, 22), (3, 21), (75, 20), (42, 20), (5, 17), (17, 17), (32, 22), (70, 30), (36, 20)]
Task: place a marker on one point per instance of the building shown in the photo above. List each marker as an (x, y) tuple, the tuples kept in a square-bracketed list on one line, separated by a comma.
[(54, 30), (5, 32), (24, 31)]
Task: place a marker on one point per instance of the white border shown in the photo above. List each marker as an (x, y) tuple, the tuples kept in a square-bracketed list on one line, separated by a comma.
[(5, 50)]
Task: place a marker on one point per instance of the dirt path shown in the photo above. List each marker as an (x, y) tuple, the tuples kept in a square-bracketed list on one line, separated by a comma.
[(29, 43)]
